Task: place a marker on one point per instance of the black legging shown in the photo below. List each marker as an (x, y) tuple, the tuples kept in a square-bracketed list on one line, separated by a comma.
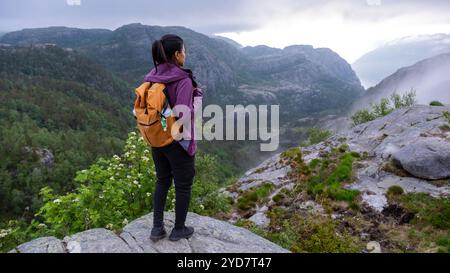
[(172, 161)]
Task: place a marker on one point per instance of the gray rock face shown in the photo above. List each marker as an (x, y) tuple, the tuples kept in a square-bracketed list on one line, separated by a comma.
[(210, 236), (413, 136), (426, 158), (41, 245), (46, 157)]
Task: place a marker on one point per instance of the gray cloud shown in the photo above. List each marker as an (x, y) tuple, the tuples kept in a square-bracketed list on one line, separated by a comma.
[(201, 15)]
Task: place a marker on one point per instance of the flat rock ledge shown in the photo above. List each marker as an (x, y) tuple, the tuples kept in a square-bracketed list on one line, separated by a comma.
[(210, 236)]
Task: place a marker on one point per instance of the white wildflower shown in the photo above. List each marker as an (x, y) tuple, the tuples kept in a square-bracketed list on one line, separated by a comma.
[(125, 222), (133, 133), (201, 206), (149, 194), (135, 182), (57, 201), (4, 232)]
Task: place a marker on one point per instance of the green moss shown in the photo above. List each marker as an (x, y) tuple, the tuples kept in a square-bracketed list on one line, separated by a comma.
[(291, 153), (365, 155), (278, 197), (230, 200), (395, 190), (313, 164), (331, 185), (249, 198), (343, 148), (446, 115), (444, 127)]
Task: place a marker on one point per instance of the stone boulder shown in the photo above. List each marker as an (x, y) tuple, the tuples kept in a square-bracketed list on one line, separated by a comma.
[(427, 158)]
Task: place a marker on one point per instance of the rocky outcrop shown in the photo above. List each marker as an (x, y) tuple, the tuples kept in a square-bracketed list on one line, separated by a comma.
[(415, 137), (46, 157), (211, 236)]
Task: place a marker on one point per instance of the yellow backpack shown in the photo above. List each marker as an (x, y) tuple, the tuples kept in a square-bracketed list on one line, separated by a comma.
[(153, 114)]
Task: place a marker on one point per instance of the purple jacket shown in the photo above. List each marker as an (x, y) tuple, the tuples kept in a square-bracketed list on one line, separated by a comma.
[(182, 90)]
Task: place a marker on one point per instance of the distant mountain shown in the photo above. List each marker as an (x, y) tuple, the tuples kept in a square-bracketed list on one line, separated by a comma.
[(384, 61), (303, 79), (430, 78), (62, 36), (228, 40), (299, 78)]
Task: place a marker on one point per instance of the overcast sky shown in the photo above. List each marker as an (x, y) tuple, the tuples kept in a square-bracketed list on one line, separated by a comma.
[(349, 27)]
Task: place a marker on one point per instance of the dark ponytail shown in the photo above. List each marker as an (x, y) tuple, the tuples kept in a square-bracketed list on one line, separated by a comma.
[(164, 49)]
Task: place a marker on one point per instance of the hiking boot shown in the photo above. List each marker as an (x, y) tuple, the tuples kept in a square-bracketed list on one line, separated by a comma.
[(158, 233), (182, 233)]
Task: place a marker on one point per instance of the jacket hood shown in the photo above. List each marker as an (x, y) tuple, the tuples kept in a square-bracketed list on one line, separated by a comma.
[(167, 73)]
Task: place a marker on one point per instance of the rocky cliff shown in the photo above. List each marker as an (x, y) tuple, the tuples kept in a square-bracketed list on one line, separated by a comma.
[(407, 151), (211, 236)]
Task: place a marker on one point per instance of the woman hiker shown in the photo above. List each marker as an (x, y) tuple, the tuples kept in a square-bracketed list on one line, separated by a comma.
[(176, 160)]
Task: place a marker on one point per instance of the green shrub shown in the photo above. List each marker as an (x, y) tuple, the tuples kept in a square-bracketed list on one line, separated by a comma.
[(444, 243), (428, 210), (315, 135), (313, 234), (384, 107), (436, 103)]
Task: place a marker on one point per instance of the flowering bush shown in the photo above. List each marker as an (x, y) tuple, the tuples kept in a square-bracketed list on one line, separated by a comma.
[(113, 192)]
